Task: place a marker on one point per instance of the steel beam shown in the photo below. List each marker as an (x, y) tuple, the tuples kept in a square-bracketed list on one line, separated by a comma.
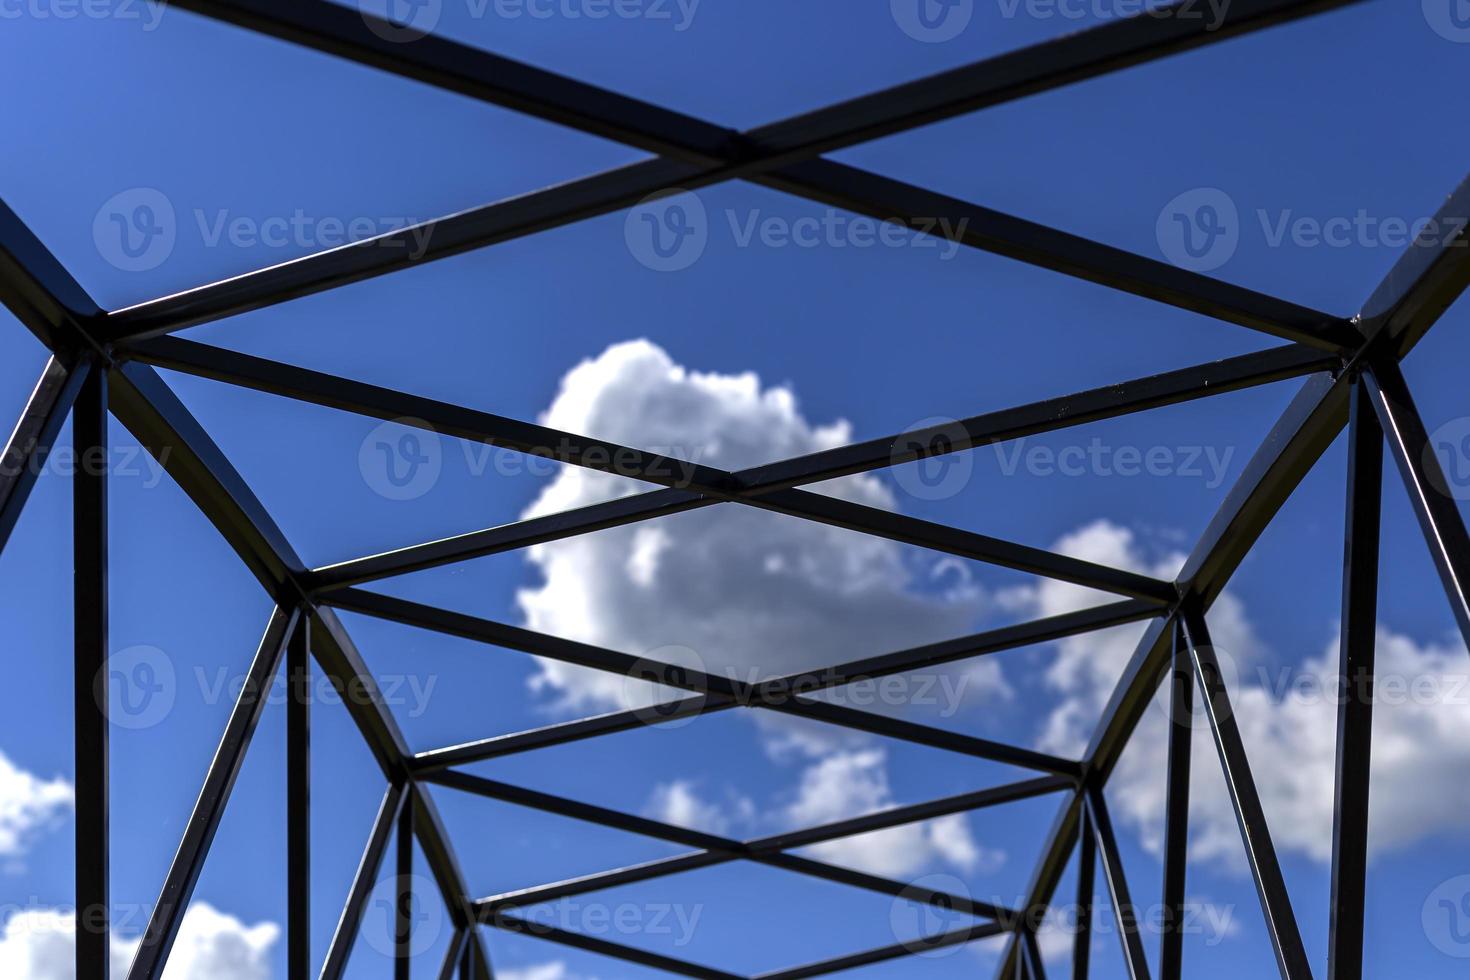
[(1125, 913), (766, 486), (1355, 712), (363, 882), (90, 680), (717, 849), (188, 862), (41, 293), (1176, 825), (1086, 875), (706, 154), (1255, 833), (1429, 490), (35, 433), (298, 802)]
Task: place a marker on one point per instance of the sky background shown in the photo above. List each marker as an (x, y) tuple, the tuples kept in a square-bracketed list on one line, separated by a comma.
[(759, 348)]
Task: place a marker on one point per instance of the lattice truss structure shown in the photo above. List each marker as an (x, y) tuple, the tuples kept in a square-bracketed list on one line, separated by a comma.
[(104, 362)]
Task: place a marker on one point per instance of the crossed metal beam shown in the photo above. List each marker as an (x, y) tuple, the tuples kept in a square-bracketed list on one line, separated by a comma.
[(105, 361)]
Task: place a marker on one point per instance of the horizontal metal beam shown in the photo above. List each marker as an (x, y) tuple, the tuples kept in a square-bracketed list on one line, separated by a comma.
[(766, 850), (706, 154), (779, 694), (1173, 387)]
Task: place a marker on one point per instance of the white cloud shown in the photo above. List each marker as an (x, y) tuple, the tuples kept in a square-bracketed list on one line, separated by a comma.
[(679, 803), (1287, 720), (39, 944), (27, 804), (555, 970), (746, 590), (849, 784)]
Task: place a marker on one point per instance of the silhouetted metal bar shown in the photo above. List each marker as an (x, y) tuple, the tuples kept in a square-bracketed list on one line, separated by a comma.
[(35, 433), (1125, 913), (1232, 374), (764, 850), (453, 954), (768, 487), (725, 691), (1086, 875), (919, 209), (1355, 713), (453, 420), (912, 947), (1430, 275), (1035, 968), (1425, 480), (188, 863), (298, 802), (90, 681), (760, 154), (40, 292), (403, 894), (363, 882), (174, 437), (1422, 284), (558, 734), (1291, 955), (1176, 824)]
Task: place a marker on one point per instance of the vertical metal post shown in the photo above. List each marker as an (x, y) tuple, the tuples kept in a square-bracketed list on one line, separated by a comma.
[(1355, 713), (298, 802), (403, 894), (1176, 828), (90, 683), (1086, 875)]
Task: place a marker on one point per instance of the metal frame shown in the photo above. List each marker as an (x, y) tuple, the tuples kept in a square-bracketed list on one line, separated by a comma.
[(104, 361)]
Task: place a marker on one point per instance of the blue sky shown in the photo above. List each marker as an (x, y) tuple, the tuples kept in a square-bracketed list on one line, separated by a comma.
[(759, 349)]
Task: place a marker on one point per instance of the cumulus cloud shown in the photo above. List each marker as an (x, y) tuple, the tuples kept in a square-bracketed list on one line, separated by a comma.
[(848, 784), (844, 784), (27, 804), (39, 944), (680, 804), (1287, 720), (555, 970), (729, 588)]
